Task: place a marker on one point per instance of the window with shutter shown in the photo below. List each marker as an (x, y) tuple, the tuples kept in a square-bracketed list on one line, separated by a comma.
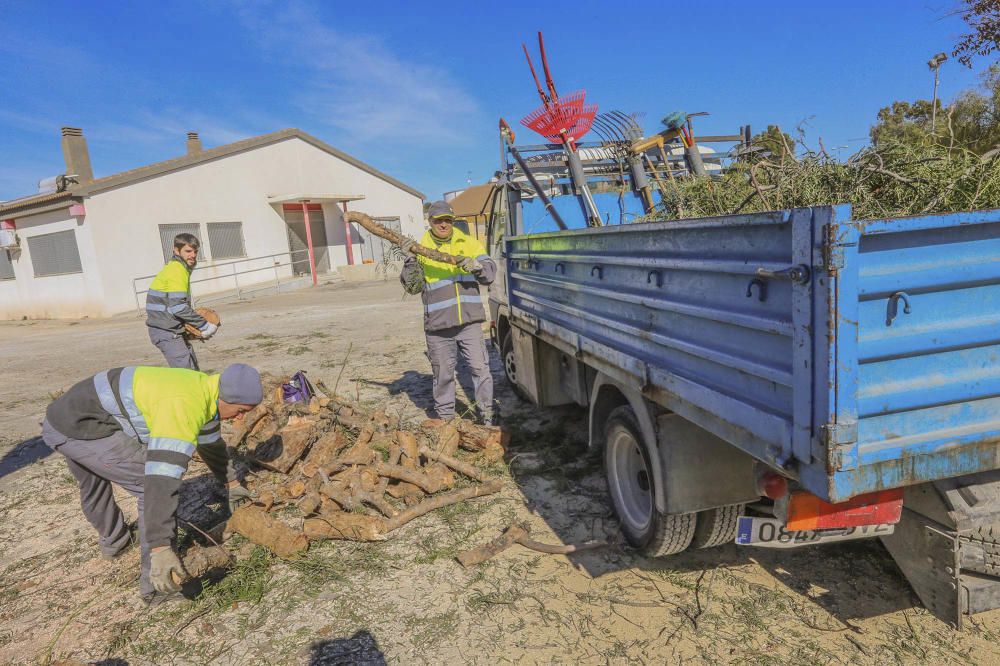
[(6, 266), (55, 254), (226, 240)]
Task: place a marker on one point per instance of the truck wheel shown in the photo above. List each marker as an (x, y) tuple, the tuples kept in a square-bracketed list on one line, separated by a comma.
[(631, 484), (509, 365), (717, 526)]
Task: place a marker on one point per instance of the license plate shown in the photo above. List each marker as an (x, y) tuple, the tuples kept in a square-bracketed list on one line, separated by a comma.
[(771, 533)]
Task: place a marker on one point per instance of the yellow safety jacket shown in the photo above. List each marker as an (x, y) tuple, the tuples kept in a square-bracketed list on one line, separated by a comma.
[(451, 294), (173, 411), (168, 301)]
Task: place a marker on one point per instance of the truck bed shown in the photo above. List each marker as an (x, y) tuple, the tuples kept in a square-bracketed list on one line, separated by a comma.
[(803, 370)]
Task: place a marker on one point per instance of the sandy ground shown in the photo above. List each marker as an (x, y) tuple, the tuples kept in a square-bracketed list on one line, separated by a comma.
[(407, 600)]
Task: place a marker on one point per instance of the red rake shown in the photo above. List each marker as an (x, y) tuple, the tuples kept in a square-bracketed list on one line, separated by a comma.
[(560, 119)]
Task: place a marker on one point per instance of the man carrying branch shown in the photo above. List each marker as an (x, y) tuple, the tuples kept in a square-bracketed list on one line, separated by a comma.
[(453, 308)]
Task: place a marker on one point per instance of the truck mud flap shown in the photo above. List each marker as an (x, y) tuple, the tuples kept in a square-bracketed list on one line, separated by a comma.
[(946, 544)]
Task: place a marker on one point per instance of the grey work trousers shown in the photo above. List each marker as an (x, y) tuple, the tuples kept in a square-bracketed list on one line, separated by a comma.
[(442, 349), (178, 351), (96, 464)]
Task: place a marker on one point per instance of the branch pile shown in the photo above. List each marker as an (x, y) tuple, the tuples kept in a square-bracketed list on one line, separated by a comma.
[(335, 470), (879, 182)]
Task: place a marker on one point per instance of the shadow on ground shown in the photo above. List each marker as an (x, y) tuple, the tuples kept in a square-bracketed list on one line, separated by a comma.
[(563, 483), (23, 454)]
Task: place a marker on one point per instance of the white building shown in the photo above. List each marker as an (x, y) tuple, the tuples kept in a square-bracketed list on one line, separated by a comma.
[(82, 248)]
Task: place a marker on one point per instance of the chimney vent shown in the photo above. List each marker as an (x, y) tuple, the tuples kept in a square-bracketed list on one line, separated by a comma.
[(76, 155), (193, 144)]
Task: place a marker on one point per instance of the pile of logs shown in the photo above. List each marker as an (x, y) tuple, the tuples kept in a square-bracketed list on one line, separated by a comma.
[(334, 470)]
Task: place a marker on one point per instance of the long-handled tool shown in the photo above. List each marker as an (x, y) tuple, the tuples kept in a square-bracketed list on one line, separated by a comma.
[(507, 136), (564, 120)]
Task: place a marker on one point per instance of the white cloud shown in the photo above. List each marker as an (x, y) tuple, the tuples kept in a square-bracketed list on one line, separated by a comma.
[(357, 84)]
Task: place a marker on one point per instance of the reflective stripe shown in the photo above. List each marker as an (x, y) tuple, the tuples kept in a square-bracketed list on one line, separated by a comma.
[(164, 469), (180, 307), (153, 307), (434, 307), (444, 282), (168, 444), (154, 292), (483, 256), (209, 438), (107, 398), (128, 399)]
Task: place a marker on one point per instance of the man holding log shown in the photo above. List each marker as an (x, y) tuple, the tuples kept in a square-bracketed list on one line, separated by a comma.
[(453, 307), (168, 306), (138, 427)]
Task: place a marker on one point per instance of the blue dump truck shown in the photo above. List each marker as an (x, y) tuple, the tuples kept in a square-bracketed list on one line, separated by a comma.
[(775, 379)]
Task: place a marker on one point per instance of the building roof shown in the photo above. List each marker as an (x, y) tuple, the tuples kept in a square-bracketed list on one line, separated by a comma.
[(472, 201), (48, 200)]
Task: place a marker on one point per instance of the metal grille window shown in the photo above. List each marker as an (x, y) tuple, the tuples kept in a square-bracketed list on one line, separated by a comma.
[(226, 240), (55, 254), (167, 233), (6, 266)]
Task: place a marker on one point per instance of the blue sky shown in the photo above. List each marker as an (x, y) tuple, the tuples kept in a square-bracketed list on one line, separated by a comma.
[(416, 88)]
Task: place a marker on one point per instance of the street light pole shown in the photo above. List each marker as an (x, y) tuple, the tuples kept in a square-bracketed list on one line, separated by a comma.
[(935, 64)]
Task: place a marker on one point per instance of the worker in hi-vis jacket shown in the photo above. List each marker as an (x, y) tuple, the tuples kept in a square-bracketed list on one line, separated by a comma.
[(453, 308), (138, 427), (168, 306)]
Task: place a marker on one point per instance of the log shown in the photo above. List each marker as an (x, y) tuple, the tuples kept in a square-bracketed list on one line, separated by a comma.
[(379, 503), (260, 528), (560, 549), (295, 489), (478, 438), (446, 438), (442, 477), (491, 549), (488, 488), (400, 473), (283, 450), (395, 453), (349, 526), (266, 500), (245, 425), (374, 227), (310, 504), (339, 494), (326, 448), (457, 465), (199, 560)]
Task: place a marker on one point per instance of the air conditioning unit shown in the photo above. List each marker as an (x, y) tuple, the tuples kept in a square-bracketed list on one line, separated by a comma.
[(8, 236)]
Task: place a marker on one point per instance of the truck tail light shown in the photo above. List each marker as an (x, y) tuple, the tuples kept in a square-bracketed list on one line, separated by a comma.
[(808, 512), (772, 485)]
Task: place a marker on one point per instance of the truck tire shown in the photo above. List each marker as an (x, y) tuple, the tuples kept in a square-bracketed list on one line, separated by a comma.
[(717, 526), (631, 485), (981, 550), (510, 367)]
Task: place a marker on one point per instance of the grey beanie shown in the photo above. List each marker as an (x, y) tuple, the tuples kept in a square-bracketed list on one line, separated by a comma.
[(240, 385)]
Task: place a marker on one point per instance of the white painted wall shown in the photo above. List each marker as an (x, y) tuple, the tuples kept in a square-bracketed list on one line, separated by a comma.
[(74, 295), (123, 223)]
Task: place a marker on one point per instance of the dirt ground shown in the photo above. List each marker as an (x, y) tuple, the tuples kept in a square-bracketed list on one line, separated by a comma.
[(407, 600)]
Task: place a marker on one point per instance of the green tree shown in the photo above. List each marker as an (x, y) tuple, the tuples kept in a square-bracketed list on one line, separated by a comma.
[(972, 121), (774, 141), (983, 17)]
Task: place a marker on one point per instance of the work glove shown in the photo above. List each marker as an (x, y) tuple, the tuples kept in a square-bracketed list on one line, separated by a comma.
[(469, 264), (164, 565), (238, 495), (406, 245), (208, 330)]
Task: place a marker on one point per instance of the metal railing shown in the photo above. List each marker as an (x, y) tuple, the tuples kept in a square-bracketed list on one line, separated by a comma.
[(277, 264)]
